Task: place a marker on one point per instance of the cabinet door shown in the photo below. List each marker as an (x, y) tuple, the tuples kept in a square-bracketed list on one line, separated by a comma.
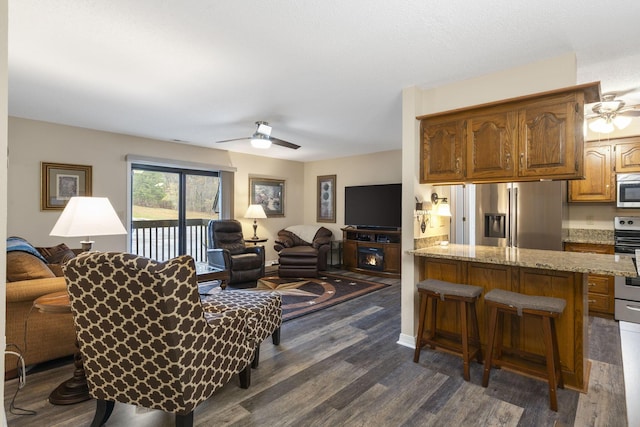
[(350, 253), (599, 182), (550, 139), (392, 258), (628, 156), (490, 144), (441, 151)]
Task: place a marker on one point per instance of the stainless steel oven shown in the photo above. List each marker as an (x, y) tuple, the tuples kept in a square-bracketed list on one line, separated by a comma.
[(628, 190), (627, 289)]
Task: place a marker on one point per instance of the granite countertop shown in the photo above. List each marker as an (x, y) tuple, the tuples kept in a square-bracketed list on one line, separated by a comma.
[(585, 235), (609, 265)]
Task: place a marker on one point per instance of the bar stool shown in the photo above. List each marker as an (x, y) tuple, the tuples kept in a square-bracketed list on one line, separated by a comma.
[(432, 290), (548, 309)]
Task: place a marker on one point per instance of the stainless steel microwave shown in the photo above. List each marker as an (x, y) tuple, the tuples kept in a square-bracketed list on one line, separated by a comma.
[(628, 190)]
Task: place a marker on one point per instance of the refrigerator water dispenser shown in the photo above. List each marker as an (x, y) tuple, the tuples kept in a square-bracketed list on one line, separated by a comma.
[(495, 225)]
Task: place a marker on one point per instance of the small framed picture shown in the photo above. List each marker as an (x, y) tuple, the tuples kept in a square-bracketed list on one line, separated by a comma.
[(326, 198), (60, 182), (269, 193)]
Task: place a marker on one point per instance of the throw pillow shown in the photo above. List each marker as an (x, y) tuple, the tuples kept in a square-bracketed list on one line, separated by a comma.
[(24, 266), (57, 254)]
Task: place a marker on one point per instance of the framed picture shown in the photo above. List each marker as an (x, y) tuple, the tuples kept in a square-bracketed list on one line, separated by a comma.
[(326, 198), (269, 193), (60, 182)]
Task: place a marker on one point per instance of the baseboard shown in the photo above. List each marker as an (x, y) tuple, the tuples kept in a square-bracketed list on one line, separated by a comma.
[(407, 341)]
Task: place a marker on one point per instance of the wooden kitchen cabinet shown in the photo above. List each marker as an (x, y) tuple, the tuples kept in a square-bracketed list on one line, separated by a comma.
[(491, 145), (600, 288), (599, 183), (551, 139), (627, 154), (523, 139), (441, 151)]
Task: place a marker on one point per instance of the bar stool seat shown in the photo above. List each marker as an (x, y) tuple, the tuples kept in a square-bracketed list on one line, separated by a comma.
[(431, 291), (499, 302)]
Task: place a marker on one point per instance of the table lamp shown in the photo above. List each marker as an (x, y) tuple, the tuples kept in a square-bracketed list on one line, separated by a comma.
[(254, 212), (88, 216)]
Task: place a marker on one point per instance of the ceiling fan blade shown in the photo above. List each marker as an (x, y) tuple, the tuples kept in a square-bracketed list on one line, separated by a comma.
[(635, 113), (283, 143), (234, 139)]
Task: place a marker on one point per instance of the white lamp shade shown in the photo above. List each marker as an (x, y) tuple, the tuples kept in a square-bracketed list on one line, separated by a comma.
[(621, 122), (255, 211), (443, 209), (88, 216)]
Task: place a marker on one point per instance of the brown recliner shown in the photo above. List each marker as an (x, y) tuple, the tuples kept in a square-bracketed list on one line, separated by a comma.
[(228, 251), (299, 258)]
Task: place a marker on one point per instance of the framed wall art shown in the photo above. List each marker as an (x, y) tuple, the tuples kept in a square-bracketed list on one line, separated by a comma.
[(60, 182), (326, 198), (269, 193)]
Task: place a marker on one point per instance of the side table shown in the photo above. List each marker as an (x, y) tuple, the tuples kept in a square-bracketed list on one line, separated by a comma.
[(255, 241), (75, 389)]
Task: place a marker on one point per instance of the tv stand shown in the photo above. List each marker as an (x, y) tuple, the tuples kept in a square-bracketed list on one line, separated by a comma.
[(372, 251)]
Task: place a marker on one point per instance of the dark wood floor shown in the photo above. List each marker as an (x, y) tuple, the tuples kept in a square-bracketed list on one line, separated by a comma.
[(342, 366)]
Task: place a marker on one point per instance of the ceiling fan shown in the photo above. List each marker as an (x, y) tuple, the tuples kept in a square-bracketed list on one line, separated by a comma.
[(262, 138), (611, 114)]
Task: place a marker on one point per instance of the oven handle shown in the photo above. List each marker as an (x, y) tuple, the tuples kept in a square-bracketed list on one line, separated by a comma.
[(633, 307)]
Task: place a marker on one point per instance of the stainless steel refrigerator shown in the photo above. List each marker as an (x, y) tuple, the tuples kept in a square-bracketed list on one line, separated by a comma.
[(528, 215)]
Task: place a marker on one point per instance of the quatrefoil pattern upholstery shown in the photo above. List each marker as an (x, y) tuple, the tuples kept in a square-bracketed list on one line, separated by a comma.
[(144, 336), (266, 308)]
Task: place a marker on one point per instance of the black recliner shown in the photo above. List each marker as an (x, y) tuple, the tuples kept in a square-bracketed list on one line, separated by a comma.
[(227, 250)]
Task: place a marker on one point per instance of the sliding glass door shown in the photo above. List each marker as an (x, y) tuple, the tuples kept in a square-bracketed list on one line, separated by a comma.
[(171, 208)]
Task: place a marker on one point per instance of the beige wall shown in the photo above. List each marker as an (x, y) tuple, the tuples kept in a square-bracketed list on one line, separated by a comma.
[(538, 77), (3, 179), (31, 142), (377, 168)]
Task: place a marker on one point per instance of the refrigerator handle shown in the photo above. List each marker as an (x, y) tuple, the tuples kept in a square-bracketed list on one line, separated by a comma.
[(509, 216), (515, 217)]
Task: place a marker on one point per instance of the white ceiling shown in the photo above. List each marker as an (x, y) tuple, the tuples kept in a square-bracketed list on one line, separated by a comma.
[(327, 74)]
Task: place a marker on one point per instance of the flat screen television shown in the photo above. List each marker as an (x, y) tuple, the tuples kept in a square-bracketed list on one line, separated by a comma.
[(373, 206)]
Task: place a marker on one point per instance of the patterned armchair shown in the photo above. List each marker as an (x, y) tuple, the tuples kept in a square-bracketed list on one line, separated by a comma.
[(228, 251), (144, 337)]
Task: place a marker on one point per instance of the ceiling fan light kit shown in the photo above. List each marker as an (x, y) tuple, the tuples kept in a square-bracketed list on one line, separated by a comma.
[(611, 114), (262, 138), (259, 140)]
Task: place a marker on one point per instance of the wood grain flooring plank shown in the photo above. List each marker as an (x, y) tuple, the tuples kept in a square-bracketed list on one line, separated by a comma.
[(469, 406), (605, 404), (342, 366)]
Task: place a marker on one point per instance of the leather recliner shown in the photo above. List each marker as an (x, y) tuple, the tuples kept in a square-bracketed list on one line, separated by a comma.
[(227, 250), (299, 258)]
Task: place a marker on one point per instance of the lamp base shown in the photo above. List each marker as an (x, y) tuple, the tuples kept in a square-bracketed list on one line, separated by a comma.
[(255, 229), (86, 245)]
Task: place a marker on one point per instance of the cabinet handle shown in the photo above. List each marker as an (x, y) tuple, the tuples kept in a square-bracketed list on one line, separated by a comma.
[(592, 301), (458, 165), (521, 160), (508, 161), (591, 284)]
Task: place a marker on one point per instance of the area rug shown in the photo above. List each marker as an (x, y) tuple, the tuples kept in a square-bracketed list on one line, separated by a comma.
[(302, 296)]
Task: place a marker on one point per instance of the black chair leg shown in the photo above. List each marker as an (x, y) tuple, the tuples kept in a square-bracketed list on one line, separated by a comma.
[(104, 408), (275, 337), (256, 357), (245, 377), (184, 420)]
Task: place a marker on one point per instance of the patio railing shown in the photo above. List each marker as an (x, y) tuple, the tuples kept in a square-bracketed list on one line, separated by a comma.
[(158, 239)]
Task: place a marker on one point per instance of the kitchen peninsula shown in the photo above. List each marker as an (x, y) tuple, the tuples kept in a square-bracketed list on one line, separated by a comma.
[(532, 272)]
